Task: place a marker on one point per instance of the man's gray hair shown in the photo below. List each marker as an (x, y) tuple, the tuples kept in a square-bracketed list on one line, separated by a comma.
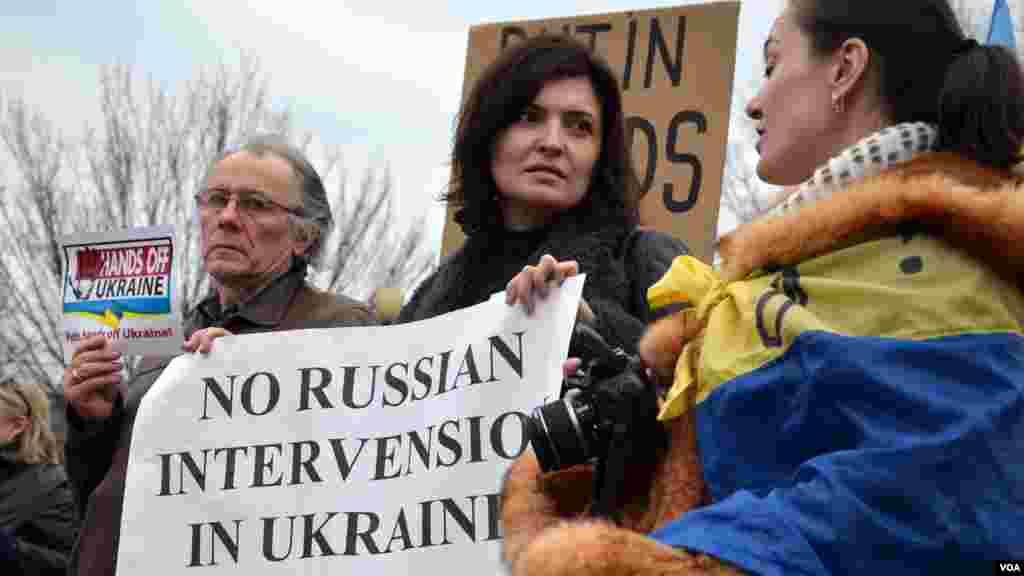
[(316, 218)]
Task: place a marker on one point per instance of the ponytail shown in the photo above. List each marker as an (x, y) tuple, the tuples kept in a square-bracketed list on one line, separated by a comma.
[(975, 94), (981, 105)]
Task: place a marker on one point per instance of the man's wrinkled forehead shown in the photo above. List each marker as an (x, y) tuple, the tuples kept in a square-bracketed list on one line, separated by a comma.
[(262, 171)]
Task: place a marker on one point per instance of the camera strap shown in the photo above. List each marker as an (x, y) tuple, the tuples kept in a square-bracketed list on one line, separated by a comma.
[(634, 442), (610, 476)]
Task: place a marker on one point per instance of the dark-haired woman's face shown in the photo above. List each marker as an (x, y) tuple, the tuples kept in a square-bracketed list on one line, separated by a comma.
[(542, 163)]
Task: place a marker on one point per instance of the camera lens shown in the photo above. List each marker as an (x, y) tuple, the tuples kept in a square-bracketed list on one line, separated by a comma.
[(557, 438)]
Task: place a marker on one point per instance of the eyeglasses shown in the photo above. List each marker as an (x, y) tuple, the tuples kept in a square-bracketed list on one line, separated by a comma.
[(255, 204), (9, 381)]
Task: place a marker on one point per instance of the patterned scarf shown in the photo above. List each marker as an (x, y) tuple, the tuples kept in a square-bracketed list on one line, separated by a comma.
[(868, 157)]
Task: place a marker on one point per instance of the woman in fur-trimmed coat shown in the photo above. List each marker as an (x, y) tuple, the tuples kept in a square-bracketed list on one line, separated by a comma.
[(847, 391)]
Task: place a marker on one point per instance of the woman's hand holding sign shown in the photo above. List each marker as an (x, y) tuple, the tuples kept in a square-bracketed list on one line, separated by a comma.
[(535, 281)]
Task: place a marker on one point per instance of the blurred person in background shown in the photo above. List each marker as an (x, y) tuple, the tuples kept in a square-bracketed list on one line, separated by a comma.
[(37, 521)]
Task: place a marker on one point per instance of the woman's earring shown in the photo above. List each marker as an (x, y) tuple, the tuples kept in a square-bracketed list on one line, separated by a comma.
[(837, 104)]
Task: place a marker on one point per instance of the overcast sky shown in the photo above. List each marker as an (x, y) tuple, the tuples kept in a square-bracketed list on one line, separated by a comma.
[(380, 78)]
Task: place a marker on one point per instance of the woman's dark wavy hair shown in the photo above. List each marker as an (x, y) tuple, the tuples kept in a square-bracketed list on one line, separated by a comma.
[(930, 72), (498, 99)]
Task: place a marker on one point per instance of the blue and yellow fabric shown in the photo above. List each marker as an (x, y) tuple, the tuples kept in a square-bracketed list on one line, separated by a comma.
[(861, 412)]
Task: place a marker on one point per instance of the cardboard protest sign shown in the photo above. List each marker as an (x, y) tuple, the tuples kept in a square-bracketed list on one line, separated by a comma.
[(675, 66), (376, 450), (121, 284)]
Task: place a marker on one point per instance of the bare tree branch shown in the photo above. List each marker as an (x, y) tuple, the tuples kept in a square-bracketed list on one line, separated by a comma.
[(141, 167)]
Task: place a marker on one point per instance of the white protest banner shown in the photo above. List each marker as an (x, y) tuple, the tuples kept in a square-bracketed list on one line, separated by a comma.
[(121, 284), (375, 450)]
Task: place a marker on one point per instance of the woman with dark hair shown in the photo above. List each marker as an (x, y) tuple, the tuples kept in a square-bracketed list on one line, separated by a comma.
[(541, 172), (847, 391), (37, 520)]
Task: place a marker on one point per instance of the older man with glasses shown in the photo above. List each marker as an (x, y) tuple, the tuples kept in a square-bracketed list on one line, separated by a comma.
[(263, 215)]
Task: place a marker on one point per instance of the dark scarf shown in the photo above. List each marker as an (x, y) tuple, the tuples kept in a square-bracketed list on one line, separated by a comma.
[(491, 258)]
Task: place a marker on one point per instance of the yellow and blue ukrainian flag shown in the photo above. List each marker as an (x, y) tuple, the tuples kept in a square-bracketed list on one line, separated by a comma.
[(861, 412)]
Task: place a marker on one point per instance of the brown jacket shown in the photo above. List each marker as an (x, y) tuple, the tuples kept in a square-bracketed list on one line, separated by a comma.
[(96, 453)]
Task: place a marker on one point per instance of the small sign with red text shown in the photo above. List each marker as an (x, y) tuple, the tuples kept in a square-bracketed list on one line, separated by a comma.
[(121, 285)]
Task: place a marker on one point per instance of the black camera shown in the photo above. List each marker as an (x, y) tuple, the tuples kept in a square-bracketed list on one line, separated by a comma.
[(594, 406)]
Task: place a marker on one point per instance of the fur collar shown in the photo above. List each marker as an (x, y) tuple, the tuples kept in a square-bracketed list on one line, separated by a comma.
[(976, 208), (870, 156)]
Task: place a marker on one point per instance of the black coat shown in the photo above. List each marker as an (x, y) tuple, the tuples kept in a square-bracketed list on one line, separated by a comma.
[(37, 516), (620, 265)]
